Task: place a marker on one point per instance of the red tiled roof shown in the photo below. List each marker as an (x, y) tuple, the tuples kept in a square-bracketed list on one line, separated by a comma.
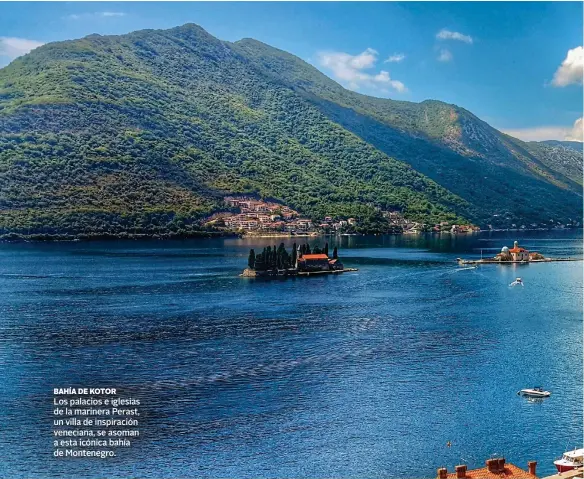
[(313, 256), (511, 471), (517, 250)]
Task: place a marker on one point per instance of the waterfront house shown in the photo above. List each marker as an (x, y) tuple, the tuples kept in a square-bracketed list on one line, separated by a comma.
[(303, 223), (494, 469)]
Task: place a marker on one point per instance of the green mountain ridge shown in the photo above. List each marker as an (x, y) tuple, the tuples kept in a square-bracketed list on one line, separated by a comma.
[(145, 133), (574, 145)]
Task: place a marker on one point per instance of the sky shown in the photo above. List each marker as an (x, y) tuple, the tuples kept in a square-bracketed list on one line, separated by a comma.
[(516, 65)]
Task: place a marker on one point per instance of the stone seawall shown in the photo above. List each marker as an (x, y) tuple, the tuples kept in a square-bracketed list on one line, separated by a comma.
[(251, 273)]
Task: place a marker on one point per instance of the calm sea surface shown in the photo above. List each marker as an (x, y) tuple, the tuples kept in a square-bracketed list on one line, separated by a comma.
[(365, 374)]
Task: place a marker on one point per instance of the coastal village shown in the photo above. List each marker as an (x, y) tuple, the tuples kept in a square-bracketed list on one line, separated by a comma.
[(256, 217)]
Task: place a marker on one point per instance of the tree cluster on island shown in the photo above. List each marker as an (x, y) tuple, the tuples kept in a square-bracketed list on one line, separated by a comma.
[(279, 258)]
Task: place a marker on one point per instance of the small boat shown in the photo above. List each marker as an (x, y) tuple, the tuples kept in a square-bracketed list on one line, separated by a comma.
[(536, 392), (570, 460), (517, 282)]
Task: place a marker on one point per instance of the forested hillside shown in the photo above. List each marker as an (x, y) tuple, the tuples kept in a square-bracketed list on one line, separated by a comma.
[(574, 145), (145, 133)]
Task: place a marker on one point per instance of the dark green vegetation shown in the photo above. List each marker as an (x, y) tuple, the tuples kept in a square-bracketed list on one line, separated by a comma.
[(272, 259), (144, 133), (278, 258)]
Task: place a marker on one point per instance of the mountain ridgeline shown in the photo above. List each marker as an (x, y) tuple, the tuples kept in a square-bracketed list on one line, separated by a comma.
[(145, 133)]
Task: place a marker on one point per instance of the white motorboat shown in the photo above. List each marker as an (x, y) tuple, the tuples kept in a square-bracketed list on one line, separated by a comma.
[(570, 460), (517, 282), (536, 392)]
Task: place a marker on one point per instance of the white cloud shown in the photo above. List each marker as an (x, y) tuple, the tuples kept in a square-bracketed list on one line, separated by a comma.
[(570, 71), (348, 69), (12, 47), (445, 34), (395, 58), (540, 133), (445, 55), (577, 131), (80, 16)]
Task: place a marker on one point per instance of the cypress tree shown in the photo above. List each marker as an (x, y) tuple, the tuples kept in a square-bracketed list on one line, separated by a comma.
[(260, 261), (281, 260), (264, 262), (335, 253), (251, 259), (326, 249), (294, 253), (285, 259)]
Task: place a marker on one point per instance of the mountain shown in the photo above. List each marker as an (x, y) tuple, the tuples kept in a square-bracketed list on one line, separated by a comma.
[(564, 157), (146, 132), (574, 145)]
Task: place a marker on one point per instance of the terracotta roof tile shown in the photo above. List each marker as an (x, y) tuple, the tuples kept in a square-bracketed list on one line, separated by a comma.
[(314, 256), (510, 472)]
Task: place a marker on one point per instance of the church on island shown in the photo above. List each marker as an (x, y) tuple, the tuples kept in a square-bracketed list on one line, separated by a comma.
[(517, 254)]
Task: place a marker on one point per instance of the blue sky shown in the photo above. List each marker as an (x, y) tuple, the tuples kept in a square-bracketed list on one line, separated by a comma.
[(516, 65)]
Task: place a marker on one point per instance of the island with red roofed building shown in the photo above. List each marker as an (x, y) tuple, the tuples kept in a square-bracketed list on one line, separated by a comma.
[(514, 255), (302, 261)]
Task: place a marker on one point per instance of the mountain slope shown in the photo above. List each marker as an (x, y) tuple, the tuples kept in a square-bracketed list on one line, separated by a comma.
[(497, 173), (574, 145), (564, 157), (145, 132)]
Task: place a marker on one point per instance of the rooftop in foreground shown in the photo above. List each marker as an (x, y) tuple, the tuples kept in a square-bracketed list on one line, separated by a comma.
[(494, 469)]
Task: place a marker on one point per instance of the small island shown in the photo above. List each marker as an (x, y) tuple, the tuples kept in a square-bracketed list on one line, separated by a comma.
[(302, 261), (517, 254)]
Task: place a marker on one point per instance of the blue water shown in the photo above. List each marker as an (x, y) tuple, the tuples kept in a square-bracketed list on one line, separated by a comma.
[(366, 374)]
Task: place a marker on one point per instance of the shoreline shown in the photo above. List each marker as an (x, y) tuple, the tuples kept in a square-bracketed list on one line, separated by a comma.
[(65, 238), (274, 274)]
